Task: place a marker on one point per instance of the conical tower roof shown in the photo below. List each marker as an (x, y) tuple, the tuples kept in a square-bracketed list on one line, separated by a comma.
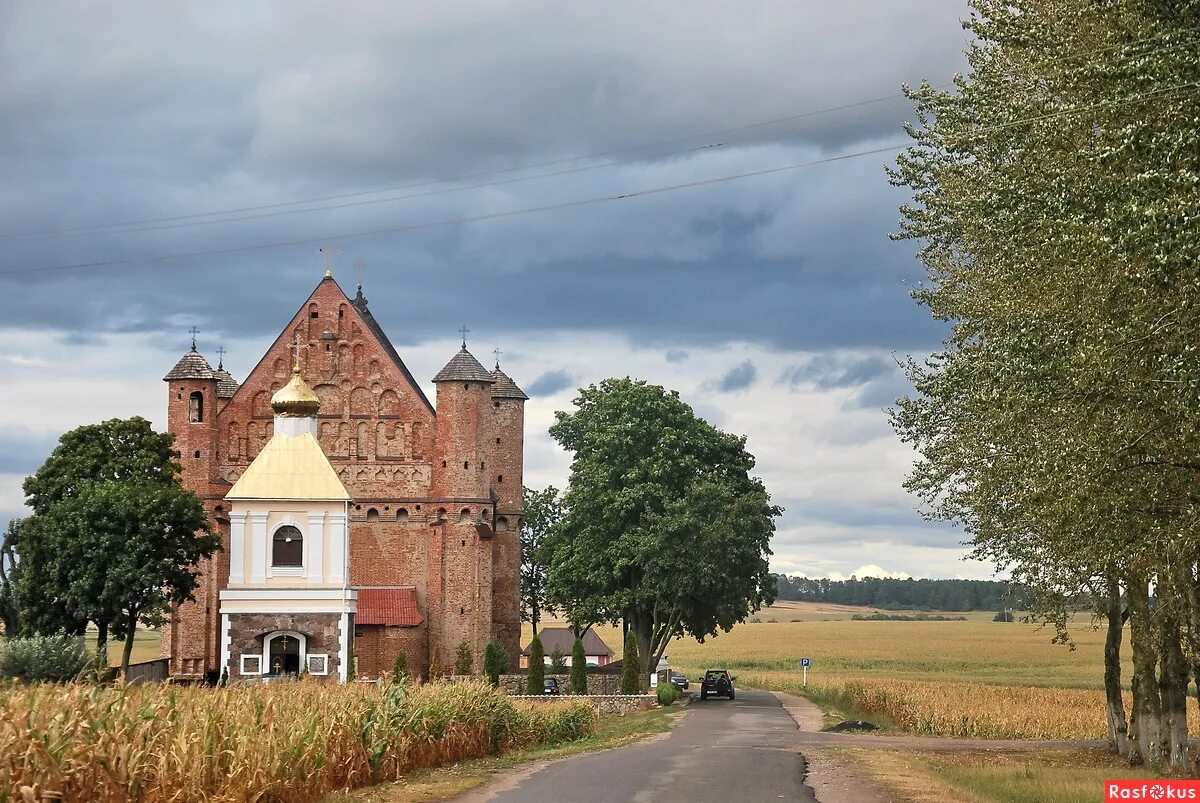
[(191, 366), (504, 387), (463, 367), (226, 384)]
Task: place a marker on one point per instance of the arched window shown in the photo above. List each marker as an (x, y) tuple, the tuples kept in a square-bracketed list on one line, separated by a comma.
[(501, 524), (287, 548), (372, 514), (465, 514), (196, 407), (401, 514)]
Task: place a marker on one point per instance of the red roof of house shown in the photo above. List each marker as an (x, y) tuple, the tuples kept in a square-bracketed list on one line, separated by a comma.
[(388, 606)]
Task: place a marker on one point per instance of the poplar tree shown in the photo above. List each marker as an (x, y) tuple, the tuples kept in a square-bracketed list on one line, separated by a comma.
[(1055, 196)]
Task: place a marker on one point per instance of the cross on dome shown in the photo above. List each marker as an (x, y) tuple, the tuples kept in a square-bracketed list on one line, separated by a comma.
[(497, 352), (464, 331), (193, 332), (295, 347)]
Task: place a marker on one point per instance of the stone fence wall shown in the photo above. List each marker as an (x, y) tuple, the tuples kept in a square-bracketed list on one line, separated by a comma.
[(606, 704), (597, 683)]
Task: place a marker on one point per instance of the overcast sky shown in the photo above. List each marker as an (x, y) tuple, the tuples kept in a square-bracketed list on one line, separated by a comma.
[(775, 303)]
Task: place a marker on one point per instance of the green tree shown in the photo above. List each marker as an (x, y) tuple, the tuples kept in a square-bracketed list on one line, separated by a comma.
[(129, 550), (558, 662), (535, 683), (114, 539), (633, 680), (463, 661), (400, 667), (650, 483), (543, 509), (579, 684), (9, 608), (495, 662), (1054, 199)]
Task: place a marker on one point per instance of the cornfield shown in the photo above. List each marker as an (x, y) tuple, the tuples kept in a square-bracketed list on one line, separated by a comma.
[(285, 742), (970, 710)]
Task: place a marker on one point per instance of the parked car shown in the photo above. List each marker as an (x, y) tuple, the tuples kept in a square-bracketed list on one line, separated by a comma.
[(680, 681), (550, 686), (716, 681)]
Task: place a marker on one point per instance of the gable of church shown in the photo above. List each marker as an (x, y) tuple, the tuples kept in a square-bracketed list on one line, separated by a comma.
[(375, 423)]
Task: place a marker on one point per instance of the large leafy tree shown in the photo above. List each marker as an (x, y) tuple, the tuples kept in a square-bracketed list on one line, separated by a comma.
[(664, 527), (9, 611), (114, 538), (1055, 198), (543, 509)]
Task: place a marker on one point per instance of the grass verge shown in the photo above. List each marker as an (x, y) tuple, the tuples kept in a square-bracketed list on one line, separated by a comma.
[(1053, 776), (445, 782)]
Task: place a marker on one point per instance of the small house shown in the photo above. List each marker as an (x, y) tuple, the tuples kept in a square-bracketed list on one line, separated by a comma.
[(562, 638)]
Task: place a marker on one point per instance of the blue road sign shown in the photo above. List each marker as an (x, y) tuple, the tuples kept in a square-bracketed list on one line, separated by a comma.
[(805, 662)]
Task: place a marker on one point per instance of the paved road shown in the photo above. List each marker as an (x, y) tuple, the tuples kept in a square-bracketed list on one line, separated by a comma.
[(744, 750)]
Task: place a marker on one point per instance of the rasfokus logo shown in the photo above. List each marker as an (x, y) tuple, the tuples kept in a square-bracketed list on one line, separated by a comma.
[(1151, 790)]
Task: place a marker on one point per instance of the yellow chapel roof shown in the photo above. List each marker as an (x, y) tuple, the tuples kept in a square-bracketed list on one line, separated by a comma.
[(290, 468)]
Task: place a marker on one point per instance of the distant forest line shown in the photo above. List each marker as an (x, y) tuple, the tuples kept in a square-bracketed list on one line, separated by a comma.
[(905, 595)]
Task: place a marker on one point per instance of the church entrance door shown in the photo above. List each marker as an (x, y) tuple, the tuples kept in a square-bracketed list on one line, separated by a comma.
[(284, 655)]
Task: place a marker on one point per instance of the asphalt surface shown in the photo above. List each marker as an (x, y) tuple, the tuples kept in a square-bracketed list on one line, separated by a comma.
[(744, 750)]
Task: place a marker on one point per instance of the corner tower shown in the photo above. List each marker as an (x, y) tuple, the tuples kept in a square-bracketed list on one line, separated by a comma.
[(192, 418), (508, 468), (464, 402)]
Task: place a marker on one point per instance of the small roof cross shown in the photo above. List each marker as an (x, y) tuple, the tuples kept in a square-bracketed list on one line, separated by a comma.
[(193, 332), (464, 331), (497, 352), (329, 252), (221, 358), (296, 346)]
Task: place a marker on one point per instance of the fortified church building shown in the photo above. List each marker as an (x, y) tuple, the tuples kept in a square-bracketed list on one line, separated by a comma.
[(356, 519)]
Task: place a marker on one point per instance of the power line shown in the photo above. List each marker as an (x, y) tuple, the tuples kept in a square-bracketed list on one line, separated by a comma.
[(1156, 95), (148, 224), (122, 227)]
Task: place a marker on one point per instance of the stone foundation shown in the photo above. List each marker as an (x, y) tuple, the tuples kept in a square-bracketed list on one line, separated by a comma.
[(321, 631), (605, 704)]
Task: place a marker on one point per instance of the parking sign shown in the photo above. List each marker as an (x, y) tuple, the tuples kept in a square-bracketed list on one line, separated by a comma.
[(806, 662)]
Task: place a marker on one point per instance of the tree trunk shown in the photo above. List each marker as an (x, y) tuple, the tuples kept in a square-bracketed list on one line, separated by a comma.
[(1145, 732), (1118, 727), (642, 625), (129, 636), (1172, 684), (101, 648)]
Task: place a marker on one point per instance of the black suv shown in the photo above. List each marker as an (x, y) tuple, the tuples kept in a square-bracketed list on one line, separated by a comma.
[(716, 681), (550, 686), (680, 681)]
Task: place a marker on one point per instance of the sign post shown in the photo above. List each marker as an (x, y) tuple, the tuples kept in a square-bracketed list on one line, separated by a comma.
[(805, 663)]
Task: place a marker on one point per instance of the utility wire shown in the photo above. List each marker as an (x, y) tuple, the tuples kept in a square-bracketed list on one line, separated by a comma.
[(147, 223), (891, 148)]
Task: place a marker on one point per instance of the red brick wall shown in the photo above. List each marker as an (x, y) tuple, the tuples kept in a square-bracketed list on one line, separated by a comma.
[(376, 646), (460, 469)]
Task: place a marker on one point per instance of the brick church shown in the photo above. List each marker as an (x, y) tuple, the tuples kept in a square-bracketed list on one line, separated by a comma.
[(357, 519)]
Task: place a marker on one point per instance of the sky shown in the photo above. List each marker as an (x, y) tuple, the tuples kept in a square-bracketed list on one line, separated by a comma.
[(557, 176)]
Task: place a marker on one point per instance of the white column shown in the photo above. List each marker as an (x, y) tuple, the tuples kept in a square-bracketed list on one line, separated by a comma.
[(338, 548), (237, 548), (260, 549), (225, 646), (314, 546)]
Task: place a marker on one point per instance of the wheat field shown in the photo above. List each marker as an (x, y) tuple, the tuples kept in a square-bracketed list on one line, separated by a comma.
[(283, 742), (974, 678)]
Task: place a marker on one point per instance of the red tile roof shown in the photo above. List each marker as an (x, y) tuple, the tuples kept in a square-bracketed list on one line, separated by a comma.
[(388, 606)]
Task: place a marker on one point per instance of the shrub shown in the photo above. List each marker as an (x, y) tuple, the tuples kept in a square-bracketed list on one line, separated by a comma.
[(578, 668), (52, 658), (631, 668), (558, 662), (1004, 616), (351, 666), (537, 667), (667, 693), (400, 667), (463, 661), (495, 662)]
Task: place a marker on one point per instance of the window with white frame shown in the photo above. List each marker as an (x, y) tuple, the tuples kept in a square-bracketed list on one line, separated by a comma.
[(317, 664), (251, 665)]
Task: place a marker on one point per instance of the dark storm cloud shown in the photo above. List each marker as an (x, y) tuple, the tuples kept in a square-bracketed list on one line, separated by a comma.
[(676, 356), (550, 383), (739, 377), (827, 371), (147, 110)]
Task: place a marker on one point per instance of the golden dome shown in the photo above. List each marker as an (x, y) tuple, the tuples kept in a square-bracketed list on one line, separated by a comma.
[(296, 399)]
